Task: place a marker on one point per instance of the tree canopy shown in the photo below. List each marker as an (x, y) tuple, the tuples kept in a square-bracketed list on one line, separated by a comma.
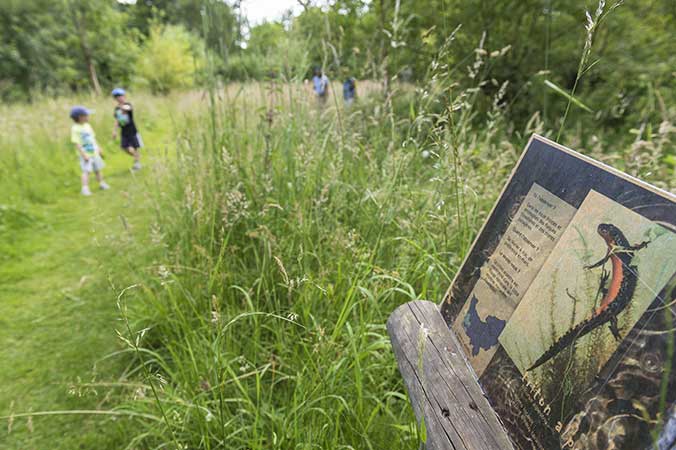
[(65, 45)]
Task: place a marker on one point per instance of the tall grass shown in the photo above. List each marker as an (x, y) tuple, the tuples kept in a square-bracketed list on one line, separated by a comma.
[(290, 234), (284, 235)]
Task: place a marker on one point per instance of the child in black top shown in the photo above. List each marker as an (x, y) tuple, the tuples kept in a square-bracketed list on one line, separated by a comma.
[(124, 120)]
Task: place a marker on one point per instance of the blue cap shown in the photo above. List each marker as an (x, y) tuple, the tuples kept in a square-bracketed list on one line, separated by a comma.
[(117, 92), (77, 111)]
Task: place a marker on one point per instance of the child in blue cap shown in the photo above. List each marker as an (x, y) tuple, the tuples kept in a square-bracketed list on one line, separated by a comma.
[(130, 140), (82, 135)]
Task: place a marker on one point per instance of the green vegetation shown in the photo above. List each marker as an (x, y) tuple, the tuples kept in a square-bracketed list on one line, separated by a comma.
[(249, 269), (62, 258), (168, 59), (66, 45), (57, 312)]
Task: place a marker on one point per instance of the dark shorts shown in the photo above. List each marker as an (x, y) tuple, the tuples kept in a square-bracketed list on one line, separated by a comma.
[(133, 141)]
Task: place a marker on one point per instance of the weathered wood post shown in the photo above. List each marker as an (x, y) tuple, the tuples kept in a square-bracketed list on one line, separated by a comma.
[(443, 389)]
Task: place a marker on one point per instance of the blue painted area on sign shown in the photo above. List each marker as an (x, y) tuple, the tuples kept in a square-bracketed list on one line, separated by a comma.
[(483, 334)]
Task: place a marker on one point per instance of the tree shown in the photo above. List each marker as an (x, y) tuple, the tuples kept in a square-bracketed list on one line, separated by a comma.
[(215, 21), (170, 59), (266, 37), (93, 47), (79, 12)]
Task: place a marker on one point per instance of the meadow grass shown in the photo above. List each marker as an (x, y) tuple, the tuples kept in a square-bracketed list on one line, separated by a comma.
[(59, 256), (249, 270), (293, 234)]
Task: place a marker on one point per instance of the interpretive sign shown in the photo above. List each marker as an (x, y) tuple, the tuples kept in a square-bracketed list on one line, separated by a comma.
[(565, 304)]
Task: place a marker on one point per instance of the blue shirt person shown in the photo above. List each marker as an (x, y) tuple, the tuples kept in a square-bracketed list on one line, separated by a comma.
[(349, 90), (320, 84)]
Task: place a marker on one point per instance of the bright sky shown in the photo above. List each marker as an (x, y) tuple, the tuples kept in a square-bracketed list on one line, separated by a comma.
[(258, 11)]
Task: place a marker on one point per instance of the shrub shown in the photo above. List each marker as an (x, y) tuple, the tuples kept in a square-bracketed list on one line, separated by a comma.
[(170, 59), (244, 66)]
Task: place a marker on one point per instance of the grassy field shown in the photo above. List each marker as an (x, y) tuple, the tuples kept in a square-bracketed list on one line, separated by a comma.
[(58, 312), (61, 257), (234, 293)]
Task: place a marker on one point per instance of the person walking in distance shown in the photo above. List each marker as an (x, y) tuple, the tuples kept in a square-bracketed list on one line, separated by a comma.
[(320, 84), (349, 90)]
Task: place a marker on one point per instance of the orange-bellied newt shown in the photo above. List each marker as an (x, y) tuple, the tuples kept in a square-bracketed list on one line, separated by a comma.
[(616, 296)]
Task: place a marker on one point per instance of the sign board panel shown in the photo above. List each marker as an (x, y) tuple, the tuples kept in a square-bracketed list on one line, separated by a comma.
[(565, 304)]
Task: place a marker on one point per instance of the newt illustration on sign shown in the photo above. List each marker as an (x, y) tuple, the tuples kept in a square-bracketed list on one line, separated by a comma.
[(594, 287), (565, 304)]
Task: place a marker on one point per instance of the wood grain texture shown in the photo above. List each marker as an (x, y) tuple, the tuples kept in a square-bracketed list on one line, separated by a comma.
[(442, 387)]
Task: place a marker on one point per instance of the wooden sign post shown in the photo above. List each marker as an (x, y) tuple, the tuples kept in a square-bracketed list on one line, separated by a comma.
[(559, 330)]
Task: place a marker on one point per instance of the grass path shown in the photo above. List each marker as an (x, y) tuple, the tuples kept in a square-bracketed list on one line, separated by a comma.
[(58, 313)]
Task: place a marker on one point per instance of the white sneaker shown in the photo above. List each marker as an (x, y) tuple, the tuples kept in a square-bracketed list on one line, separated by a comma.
[(136, 166), (85, 191), (104, 186)]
